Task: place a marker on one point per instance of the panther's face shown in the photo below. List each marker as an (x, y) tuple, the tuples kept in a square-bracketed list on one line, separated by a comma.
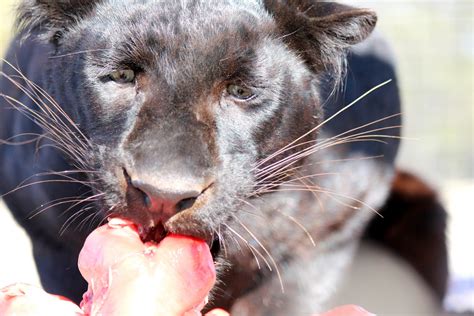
[(185, 103)]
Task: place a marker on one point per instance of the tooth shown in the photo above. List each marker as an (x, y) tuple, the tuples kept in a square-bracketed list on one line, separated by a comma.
[(117, 222)]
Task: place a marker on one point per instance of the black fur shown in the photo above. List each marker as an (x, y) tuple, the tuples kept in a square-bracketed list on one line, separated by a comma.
[(414, 226)]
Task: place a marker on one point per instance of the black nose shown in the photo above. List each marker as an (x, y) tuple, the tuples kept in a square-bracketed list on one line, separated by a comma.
[(164, 197)]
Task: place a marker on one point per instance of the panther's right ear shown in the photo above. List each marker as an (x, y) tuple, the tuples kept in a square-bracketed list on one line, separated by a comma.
[(51, 18)]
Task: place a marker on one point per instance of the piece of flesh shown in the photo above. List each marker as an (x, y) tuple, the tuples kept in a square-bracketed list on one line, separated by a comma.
[(128, 277)]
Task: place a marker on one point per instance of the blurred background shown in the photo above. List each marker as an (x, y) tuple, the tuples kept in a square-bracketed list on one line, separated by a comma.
[(433, 43), (434, 47)]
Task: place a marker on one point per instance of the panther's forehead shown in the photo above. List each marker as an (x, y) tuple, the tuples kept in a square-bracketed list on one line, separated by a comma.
[(178, 21), (177, 37)]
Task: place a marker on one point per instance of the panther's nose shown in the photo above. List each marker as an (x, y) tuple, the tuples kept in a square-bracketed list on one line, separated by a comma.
[(164, 197), (169, 199)]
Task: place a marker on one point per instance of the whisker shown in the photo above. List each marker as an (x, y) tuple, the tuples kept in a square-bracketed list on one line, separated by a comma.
[(222, 241), (265, 250), (11, 143), (288, 162), (366, 125), (324, 122), (79, 52), (252, 206), (49, 120), (65, 200), (323, 145), (91, 217), (288, 172), (290, 218), (318, 199), (60, 137), (256, 258), (314, 141), (237, 243), (36, 115), (330, 193), (73, 218), (45, 94), (294, 220), (300, 178), (250, 246), (69, 221), (345, 160), (75, 200), (42, 182)]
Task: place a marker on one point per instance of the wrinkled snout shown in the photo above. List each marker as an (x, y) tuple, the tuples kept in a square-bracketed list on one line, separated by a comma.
[(168, 160)]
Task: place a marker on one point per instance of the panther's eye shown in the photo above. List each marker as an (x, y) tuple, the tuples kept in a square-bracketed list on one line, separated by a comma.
[(239, 92), (123, 76)]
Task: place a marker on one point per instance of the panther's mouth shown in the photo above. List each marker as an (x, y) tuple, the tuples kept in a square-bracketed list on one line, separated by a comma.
[(153, 234), (158, 232)]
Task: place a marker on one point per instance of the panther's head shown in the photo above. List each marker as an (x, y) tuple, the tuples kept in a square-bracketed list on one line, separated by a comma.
[(185, 105)]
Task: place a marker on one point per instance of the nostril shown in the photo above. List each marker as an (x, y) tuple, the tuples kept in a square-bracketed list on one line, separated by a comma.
[(146, 195), (189, 202), (185, 204), (146, 199), (127, 177), (134, 192)]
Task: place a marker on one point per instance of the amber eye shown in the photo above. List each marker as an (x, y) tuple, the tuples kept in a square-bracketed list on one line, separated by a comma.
[(239, 92), (123, 76)]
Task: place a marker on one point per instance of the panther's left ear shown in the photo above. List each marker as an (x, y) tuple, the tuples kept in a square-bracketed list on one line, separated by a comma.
[(51, 18), (321, 32)]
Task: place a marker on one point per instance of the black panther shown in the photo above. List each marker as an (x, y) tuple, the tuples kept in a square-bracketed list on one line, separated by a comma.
[(227, 120)]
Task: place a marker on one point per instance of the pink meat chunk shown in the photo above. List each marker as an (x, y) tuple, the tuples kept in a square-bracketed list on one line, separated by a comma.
[(127, 277)]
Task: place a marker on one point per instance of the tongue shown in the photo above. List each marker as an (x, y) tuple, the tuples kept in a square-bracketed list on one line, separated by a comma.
[(128, 277)]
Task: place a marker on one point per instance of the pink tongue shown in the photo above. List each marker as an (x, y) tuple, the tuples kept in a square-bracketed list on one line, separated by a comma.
[(127, 277)]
